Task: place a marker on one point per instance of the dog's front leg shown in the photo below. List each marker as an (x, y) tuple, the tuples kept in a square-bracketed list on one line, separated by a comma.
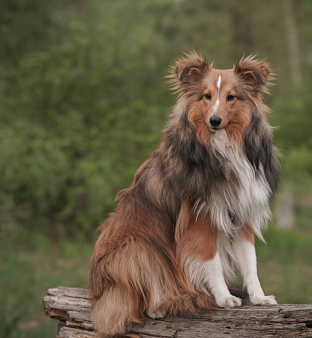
[(207, 276), (246, 260), (197, 251)]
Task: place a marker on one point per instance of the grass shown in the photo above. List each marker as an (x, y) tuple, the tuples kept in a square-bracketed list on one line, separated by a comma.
[(31, 263)]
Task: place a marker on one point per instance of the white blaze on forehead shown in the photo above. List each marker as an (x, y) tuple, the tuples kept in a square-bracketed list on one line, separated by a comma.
[(218, 84), (216, 106)]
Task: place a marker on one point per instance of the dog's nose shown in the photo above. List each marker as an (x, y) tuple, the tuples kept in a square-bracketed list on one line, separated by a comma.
[(215, 121)]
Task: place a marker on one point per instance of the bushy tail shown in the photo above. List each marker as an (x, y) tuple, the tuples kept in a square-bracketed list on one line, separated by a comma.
[(113, 312)]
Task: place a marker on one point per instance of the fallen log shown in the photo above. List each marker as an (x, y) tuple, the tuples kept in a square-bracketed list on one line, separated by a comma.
[(72, 307)]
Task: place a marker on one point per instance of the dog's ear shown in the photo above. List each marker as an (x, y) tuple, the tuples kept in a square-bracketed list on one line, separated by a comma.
[(188, 71), (256, 73)]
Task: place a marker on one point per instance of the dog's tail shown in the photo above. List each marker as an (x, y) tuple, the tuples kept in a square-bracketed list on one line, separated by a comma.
[(113, 312), (129, 276)]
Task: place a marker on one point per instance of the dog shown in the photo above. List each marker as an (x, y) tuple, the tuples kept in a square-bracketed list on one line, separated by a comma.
[(190, 216)]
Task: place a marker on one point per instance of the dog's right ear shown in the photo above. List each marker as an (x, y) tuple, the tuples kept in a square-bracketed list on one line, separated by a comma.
[(188, 71)]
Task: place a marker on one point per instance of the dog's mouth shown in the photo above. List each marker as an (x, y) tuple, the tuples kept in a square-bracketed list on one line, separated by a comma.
[(215, 128), (211, 128)]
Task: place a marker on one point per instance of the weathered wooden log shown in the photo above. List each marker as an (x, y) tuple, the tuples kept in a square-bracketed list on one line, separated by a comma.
[(71, 306)]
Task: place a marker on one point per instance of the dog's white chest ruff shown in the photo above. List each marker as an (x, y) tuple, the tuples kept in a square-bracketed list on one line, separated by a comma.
[(245, 195)]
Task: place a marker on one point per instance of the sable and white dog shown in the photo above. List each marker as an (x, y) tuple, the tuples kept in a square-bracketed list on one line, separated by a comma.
[(190, 215)]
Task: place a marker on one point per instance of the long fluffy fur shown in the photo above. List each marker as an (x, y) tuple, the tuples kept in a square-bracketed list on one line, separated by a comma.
[(218, 182)]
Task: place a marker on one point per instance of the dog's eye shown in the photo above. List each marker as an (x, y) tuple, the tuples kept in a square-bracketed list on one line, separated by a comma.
[(208, 96), (230, 97)]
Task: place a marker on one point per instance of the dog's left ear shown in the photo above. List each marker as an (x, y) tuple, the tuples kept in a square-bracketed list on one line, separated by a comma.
[(188, 71), (256, 73)]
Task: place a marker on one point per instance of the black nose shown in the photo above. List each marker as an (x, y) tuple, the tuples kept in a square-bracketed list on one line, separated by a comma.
[(215, 121)]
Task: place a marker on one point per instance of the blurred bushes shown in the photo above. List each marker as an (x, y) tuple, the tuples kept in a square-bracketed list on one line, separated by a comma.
[(72, 116), (293, 136), (83, 97)]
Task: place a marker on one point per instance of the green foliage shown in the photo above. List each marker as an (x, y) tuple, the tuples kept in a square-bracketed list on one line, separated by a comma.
[(83, 97), (292, 116)]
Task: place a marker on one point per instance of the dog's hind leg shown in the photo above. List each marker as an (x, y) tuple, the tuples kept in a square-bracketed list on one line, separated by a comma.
[(156, 308)]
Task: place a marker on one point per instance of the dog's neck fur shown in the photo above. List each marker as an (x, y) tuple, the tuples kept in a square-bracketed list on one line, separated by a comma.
[(244, 198)]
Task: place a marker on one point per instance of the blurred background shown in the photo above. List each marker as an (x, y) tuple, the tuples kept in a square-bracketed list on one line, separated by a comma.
[(83, 100)]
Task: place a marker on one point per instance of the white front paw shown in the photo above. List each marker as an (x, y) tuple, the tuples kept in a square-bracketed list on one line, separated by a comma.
[(230, 301), (263, 300)]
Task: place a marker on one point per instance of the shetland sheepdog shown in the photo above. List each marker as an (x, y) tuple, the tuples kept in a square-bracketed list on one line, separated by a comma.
[(190, 216)]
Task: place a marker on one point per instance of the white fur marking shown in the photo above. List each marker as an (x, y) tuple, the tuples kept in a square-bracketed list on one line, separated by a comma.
[(248, 199), (216, 106), (219, 84)]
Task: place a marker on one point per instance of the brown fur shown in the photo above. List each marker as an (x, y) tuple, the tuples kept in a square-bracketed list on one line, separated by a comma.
[(197, 118), (137, 262), (195, 235)]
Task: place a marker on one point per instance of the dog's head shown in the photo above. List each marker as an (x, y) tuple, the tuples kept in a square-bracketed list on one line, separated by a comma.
[(220, 99)]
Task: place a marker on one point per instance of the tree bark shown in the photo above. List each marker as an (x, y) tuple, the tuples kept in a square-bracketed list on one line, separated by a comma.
[(293, 45), (71, 306)]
